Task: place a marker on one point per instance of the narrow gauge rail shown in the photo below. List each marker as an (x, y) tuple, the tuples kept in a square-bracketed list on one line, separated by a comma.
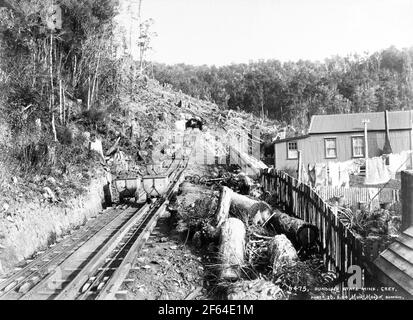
[(93, 263), (45, 261)]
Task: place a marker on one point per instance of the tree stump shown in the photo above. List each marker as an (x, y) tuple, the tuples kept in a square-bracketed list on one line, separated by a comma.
[(282, 253)]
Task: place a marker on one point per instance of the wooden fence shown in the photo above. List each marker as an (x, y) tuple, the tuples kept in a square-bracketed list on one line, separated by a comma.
[(355, 196), (340, 246)]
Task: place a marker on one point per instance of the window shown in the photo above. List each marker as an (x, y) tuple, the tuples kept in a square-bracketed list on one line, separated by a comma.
[(330, 148), (357, 144), (292, 151)]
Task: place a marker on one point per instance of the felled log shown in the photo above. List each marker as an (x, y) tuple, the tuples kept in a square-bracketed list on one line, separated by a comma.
[(242, 201), (224, 204), (261, 213), (282, 253), (255, 290), (232, 249), (301, 233)]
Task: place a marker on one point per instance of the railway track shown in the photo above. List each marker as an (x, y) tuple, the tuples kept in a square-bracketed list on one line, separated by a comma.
[(93, 262)]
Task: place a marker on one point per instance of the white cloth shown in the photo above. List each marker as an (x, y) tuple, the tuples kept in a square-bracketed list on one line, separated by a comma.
[(333, 174), (344, 179), (376, 171), (399, 161), (304, 176), (320, 175), (353, 166)]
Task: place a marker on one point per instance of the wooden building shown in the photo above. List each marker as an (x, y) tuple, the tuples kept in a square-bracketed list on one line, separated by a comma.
[(340, 137), (394, 266)]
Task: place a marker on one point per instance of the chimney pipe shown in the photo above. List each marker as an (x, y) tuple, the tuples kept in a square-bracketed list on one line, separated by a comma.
[(387, 146)]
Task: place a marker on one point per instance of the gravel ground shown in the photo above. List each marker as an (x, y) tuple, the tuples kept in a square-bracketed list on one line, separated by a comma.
[(167, 268)]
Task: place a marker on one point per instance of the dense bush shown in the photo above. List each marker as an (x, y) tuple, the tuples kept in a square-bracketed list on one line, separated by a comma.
[(293, 91)]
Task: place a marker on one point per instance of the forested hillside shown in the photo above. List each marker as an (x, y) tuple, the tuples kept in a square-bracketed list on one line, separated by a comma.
[(293, 91), (60, 75)]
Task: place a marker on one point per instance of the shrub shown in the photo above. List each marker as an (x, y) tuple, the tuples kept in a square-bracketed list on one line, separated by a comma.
[(65, 135), (94, 116)]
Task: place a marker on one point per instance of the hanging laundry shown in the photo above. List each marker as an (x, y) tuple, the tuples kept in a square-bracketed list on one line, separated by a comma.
[(398, 162), (333, 174), (376, 171), (356, 166), (320, 175), (407, 156), (395, 162), (304, 176), (344, 169), (311, 175)]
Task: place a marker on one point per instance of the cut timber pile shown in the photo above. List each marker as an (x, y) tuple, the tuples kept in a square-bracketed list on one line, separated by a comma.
[(301, 233), (280, 247)]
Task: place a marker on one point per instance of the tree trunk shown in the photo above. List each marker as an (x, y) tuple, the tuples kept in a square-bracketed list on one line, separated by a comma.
[(282, 253), (301, 233), (51, 73), (54, 128), (94, 81), (60, 102), (65, 115), (243, 201), (88, 93), (223, 206), (232, 249)]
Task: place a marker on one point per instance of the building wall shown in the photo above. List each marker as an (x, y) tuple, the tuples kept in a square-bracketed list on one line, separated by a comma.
[(281, 161), (312, 147)]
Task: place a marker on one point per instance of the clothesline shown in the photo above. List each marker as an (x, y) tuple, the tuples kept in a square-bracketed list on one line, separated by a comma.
[(337, 173), (381, 189)]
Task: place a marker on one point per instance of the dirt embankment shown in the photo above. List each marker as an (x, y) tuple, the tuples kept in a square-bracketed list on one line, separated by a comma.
[(35, 225)]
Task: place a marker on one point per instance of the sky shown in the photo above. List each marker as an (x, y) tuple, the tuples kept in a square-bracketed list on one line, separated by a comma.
[(219, 32)]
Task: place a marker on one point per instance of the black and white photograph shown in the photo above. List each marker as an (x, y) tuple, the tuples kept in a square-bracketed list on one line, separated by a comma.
[(205, 155)]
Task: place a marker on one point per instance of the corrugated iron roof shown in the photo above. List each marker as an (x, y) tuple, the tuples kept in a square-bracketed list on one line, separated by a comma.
[(396, 262), (290, 139), (352, 122)]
